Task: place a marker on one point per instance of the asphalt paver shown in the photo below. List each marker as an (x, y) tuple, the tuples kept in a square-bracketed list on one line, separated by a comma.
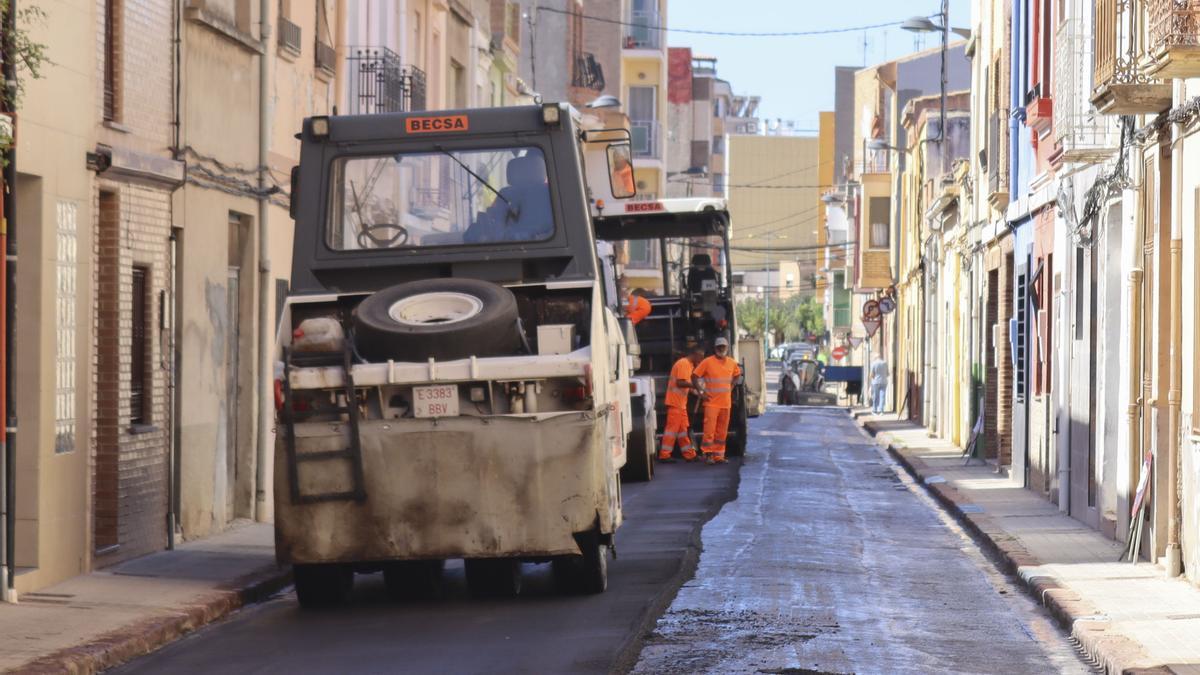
[(833, 561)]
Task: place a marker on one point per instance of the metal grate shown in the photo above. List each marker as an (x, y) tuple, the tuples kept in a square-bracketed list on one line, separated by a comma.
[(289, 35), (645, 138), (379, 83), (1174, 23), (588, 73), (138, 347), (1084, 133), (997, 151), (326, 57), (111, 54)]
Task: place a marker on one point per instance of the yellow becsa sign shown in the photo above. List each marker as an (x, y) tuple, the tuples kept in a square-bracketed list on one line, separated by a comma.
[(436, 125)]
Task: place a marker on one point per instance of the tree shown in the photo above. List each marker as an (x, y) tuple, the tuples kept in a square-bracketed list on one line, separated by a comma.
[(792, 318), (26, 56)]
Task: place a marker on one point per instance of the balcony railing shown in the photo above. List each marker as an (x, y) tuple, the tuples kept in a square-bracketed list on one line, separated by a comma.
[(1174, 38), (645, 135), (289, 35), (377, 82), (587, 72), (644, 31), (1084, 134), (1122, 86), (997, 159), (326, 57)]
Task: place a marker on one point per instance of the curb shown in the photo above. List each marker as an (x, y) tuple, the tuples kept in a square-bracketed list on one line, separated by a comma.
[(1115, 653), (138, 639)]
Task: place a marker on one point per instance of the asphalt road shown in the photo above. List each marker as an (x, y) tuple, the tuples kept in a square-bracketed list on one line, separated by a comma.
[(832, 561), (538, 632)]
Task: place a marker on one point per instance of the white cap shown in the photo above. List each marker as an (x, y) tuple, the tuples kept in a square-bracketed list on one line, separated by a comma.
[(721, 342)]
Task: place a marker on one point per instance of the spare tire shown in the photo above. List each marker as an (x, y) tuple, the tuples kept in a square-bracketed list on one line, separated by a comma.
[(439, 318)]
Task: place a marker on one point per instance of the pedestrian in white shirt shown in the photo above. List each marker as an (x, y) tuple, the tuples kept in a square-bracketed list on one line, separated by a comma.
[(879, 381)]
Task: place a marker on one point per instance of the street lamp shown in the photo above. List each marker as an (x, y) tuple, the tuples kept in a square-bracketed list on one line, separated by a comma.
[(767, 293), (922, 24)]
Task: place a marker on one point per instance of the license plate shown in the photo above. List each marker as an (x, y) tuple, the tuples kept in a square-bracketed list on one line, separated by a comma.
[(439, 400)]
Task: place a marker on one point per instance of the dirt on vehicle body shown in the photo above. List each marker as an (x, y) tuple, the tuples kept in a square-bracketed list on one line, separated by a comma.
[(452, 381)]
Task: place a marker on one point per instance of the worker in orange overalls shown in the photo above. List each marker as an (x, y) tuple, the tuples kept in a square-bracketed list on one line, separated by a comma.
[(679, 429), (637, 307), (718, 372)]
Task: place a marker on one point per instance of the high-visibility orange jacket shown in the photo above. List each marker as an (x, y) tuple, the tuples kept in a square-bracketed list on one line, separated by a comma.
[(677, 396), (638, 309), (624, 177), (718, 375)]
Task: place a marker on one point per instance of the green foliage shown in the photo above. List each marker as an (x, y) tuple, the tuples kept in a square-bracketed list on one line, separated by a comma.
[(28, 57), (791, 318)]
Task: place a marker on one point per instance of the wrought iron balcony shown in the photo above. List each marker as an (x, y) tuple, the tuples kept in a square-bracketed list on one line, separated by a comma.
[(1083, 134), (326, 57), (289, 35), (1174, 38), (645, 135), (587, 73), (378, 82), (644, 31), (1121, 86)]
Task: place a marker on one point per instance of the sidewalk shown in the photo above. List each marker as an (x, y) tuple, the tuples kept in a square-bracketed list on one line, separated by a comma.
[(99, 620), (1128, 617)]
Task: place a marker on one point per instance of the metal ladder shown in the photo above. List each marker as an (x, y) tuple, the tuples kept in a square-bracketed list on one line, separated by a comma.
[(290, 416)]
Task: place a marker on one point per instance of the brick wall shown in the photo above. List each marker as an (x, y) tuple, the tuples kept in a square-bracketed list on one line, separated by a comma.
[(132, 228), (144, 58)]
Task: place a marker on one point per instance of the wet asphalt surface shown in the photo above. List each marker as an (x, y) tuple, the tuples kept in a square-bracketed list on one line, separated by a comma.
[(829, 560), (833, 561), (540, 631)]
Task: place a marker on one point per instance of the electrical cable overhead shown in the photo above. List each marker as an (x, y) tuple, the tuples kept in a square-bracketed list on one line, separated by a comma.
[(691, 31)]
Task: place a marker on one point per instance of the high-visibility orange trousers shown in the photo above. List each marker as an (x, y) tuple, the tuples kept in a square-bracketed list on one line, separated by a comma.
[(716, 427), (677, 431)]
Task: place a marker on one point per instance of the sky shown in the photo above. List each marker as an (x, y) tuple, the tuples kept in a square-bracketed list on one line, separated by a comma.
[(794, 75)]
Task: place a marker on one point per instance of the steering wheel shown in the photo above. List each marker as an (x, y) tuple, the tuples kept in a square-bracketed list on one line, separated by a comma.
[(367, 237)]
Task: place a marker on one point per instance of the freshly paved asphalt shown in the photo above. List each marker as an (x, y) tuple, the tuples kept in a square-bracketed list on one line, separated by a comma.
[(832, 561), (538, 632), (829, 560)]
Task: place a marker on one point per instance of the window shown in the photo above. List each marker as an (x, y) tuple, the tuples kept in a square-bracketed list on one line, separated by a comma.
[(458, 80), (643, 253), (65, 327), (620, 167), (420, 200), (139, 348), (1022, 323), (879, 209), (112, 60), (718, 184)]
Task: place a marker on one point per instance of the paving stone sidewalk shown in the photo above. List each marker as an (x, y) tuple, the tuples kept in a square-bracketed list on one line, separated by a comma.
[(1130, 618), (99, 620)]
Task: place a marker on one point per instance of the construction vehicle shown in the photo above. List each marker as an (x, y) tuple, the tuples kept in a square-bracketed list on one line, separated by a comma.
[(452, 375), (696, 304)]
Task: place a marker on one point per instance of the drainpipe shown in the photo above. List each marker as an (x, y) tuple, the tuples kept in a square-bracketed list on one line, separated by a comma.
[(8, 218), (1174, 563), (265, 412), (1016, 111)]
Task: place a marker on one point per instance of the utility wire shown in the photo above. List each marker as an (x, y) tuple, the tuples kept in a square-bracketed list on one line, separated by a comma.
[(804, 33)]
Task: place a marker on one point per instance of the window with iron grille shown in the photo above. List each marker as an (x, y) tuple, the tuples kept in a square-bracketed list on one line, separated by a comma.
[(139, 349), (289, 31), (112, 60), (1020, 377)]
